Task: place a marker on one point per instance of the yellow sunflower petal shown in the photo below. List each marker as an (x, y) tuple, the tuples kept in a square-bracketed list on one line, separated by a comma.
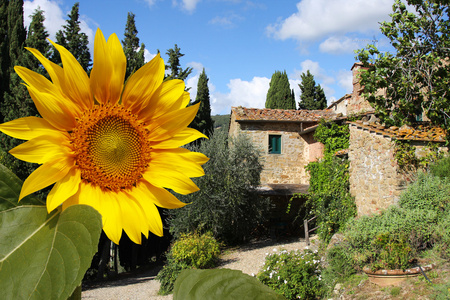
[(56, 72), (163, 100), (76, 82), (134, 220), (52, 106), (172, 123), (46, 175), (112, 215), (184, 137), (176, 159), (145, 192), (142, 84), (109, 68), (43, 149), (152, 217), (171, 179), (64, 189), (27, 128)]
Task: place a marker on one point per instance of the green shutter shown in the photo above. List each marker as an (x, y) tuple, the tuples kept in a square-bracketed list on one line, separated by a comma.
[(275, 144)]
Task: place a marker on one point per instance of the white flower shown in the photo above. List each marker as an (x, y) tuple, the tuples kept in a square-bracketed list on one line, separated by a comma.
[(278, 277), (274, 249), (253, 274), (306, 247), (270, 275), (285, 282)]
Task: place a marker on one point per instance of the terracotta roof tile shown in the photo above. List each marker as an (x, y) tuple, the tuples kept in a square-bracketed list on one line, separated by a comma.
[(421, 132), (293, 115)]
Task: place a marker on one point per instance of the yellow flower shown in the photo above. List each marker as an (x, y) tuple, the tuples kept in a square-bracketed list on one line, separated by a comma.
[(110, 145)]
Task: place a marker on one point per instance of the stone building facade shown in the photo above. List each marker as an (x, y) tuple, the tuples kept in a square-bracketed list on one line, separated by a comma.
[(293, 129)]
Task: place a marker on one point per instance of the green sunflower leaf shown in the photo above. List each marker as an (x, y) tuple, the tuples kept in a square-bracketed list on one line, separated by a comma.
[(10, 186), (45, 256), (220, 284)]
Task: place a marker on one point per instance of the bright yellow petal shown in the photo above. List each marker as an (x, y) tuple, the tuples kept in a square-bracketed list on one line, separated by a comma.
[(134, 220), (163, 100), (76, 82), (52, 106), (179, 159), (108, 72), (27, 128), (146, 192), (44, 148), (112, 215), (152, 217), (172, 123), (46, 175), (171, 179), (56, 72), (64, 189), (182, 138), (142, 84)]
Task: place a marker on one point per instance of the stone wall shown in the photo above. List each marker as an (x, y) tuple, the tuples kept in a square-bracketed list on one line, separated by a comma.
[(357, 103), (374, 179), (297, 151)]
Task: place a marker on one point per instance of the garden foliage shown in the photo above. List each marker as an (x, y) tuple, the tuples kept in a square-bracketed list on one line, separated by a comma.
[(189, 251), (227, 203), (294, 274)]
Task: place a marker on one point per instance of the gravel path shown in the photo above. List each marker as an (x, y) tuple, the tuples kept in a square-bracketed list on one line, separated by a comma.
[(248, 258)]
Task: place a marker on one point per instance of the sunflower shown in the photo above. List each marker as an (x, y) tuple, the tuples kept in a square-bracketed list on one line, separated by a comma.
[(110, 145)]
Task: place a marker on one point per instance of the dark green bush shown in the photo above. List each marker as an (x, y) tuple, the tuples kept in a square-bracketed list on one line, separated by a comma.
[(340, 262), (295, 274), (441, 236), (227, 203), (441, 168), (189, 251), (391, 251), (427, 192)]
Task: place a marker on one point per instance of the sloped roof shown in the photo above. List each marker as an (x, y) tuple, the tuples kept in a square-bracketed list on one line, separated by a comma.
[(421, 132), (292, 115)]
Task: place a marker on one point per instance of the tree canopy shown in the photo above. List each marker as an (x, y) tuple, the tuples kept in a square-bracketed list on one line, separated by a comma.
[(133, 51), (280, 94), (174, 65), (203, 121), (313, 96), (415, 78)]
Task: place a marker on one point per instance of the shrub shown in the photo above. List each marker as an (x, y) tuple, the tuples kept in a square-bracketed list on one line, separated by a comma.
[(197, 251), (295, 274), (340, 262), (189, 251), (392, 251), (441, 237), (427, 192), (441, 168), (227, 203)]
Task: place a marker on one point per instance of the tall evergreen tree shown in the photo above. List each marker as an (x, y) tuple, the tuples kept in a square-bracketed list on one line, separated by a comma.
[(4, 54), (280, 94), (73, 40), (133, 51), (313, 96), (203, 121), (19, 101), (176, 71)]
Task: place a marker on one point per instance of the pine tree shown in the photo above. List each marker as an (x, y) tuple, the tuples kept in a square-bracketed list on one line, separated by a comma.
[(280, 95), (73, 40), (4, 54), (133, 52), (203, 121), (19, 100), (176, 71), (312, 97)]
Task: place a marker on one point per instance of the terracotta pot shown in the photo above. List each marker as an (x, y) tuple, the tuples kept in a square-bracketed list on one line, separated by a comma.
[(393, 277)]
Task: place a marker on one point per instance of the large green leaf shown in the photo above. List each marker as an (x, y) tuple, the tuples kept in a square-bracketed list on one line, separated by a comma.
[(220, 284), (42, 256)]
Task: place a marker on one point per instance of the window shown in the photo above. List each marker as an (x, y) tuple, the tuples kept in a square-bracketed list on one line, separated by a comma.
[(274, 144)]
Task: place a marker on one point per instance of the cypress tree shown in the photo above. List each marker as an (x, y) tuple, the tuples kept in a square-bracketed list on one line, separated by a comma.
[(280, 95), (133, 52), (73, 40), (4, 54), (312, 97), (19, 100), (176, 71), (203, 121)]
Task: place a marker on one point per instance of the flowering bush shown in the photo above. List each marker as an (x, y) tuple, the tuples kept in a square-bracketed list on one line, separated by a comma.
[(294, 274)]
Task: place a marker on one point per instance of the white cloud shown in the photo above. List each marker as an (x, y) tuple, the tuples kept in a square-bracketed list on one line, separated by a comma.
[(55, 18), (242, 93), (345, 80), (147, 55), (228, 21), (316, 19), (150, 2), (188, 5), (341, 44)]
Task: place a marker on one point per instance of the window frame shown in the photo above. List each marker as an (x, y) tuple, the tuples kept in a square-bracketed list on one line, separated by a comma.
[(274, 139)]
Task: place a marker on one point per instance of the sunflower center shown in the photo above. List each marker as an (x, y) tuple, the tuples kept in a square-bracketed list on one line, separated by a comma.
[(111, 147)]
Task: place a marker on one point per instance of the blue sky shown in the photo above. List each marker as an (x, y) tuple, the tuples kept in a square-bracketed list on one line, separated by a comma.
[(240, 43)]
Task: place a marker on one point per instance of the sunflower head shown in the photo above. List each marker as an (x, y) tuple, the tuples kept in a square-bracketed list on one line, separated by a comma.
[(110, 145)]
